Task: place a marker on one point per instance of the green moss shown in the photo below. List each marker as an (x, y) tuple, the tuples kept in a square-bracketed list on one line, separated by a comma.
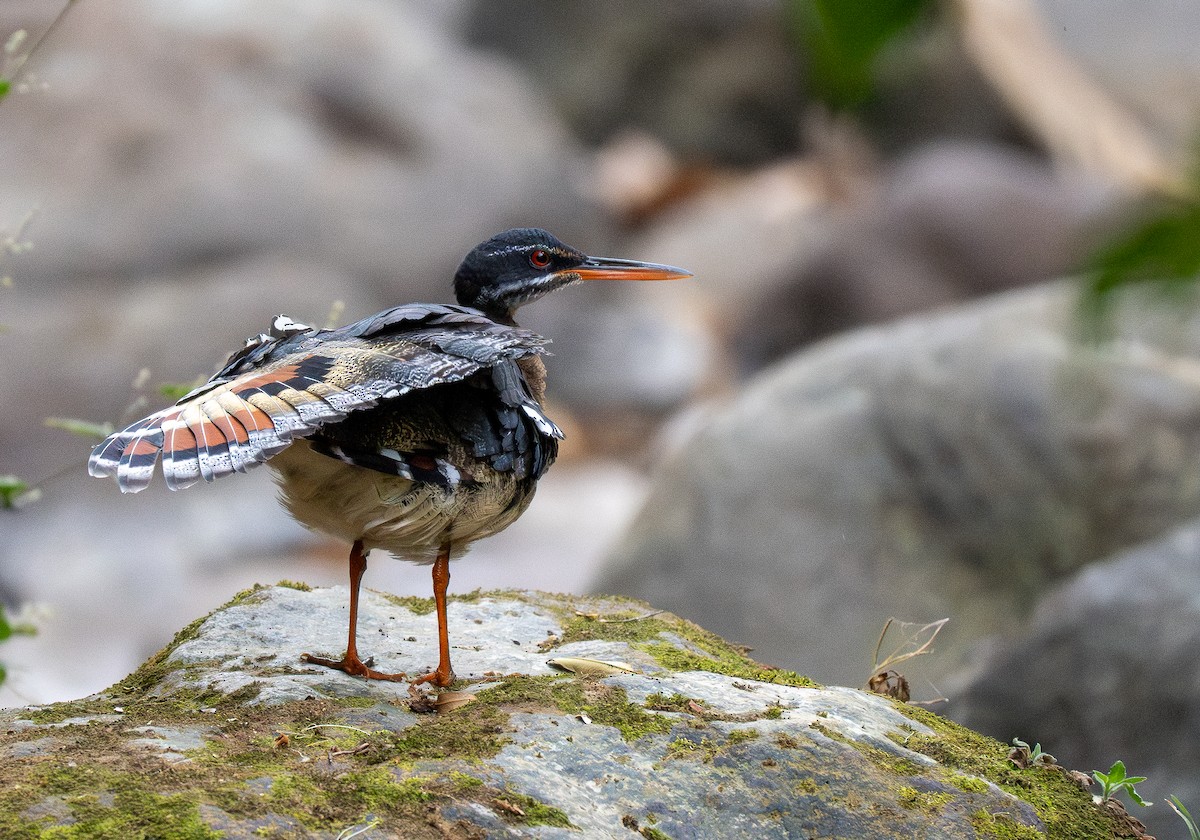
[(464, 781), (727, 662), (537, 812), (139, 813), (424, 606), (688, 706), (918, 800), (970, 784), (885, 759), (1002, 827), (295, 584), (610, 707), (473, 736), (652, 833), (1066, 810), (706, 749), (647, 634), (129, 806), (412, 603), (739, 736)]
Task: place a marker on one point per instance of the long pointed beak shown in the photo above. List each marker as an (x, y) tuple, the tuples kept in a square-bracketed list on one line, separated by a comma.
[(605, 268)]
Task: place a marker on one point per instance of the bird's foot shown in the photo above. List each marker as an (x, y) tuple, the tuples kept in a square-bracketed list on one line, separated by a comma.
[(441, 677), (353, 666)]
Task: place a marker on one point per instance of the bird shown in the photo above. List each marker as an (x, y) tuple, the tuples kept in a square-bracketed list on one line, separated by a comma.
[(417, 430)]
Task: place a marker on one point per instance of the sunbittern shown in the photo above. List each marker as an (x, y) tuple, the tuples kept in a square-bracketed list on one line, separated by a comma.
[(417, 430)]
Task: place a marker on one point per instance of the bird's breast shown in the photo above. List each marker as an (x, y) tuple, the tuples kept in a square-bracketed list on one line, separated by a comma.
[(410, 518)]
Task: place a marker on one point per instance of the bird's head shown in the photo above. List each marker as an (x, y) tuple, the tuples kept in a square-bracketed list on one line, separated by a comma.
[(519, 266)]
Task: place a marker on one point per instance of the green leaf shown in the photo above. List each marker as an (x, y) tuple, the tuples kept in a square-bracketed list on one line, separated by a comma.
[(1116, 780), (843, 39), (1177, 807), (1133, 794), (6, 629), (1163, 247), (11, 488)]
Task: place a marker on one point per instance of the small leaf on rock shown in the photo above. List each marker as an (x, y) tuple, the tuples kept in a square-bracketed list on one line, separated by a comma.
[(590, 667), (448, 701)]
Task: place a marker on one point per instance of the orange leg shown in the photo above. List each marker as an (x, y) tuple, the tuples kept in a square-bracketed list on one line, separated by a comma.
[(443, 675), (350, 663)]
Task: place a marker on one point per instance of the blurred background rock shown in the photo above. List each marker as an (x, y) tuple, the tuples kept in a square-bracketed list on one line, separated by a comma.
[(186, 170)]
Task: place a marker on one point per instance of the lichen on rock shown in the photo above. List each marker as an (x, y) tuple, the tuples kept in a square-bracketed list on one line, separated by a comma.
[(226, 733)]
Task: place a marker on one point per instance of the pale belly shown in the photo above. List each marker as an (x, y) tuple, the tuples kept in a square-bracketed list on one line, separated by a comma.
[(411, 519)]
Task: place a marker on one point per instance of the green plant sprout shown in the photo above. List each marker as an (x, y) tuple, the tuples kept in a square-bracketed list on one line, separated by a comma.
[(1115, 781), (1025, 756), (1177, 807)]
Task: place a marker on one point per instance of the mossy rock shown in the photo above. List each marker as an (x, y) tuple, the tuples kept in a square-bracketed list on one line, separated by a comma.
[(226, 733)]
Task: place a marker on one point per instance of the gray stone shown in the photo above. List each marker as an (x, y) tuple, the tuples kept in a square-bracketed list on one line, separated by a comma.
[(716, 81), (946, 222), (1106, 669), (170, 743), (951, 465), (539, 753)]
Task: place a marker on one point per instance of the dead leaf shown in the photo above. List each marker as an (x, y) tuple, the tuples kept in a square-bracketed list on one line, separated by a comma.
[(448, 701), (890, 684), (505, 805), (590, 667), (420, 702)]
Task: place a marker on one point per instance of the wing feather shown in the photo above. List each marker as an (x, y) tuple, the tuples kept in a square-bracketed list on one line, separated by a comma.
[(290, 383)]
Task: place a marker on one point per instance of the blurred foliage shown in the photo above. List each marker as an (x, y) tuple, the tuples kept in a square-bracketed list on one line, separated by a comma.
[(843, 38), (83, 428), (12, 490), (7, 631), (1159, 250), (18, 49), (1162, 248)]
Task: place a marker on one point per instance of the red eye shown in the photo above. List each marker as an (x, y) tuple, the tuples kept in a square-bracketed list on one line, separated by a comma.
[(539, 258)]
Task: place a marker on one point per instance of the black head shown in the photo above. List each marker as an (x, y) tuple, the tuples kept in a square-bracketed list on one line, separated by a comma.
[(520, 265)]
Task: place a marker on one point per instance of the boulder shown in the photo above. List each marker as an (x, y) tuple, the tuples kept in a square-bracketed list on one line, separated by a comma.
[(948, 221), (1106, 669), (226, 731), (950, 465)]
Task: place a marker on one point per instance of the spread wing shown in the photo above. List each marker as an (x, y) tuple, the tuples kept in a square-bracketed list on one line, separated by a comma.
[(287, 384)]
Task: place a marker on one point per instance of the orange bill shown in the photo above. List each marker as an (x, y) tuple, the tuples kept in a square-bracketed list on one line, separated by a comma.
[(606, 268)]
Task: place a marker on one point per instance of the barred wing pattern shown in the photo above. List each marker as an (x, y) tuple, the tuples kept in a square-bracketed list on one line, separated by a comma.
[(289, 383)]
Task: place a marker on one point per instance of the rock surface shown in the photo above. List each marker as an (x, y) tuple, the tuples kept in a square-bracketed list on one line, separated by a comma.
[(226, 733)]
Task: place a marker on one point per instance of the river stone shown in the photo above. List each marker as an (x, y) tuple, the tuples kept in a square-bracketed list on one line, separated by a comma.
[(1107, 669), (954, 464), (227, 730)]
